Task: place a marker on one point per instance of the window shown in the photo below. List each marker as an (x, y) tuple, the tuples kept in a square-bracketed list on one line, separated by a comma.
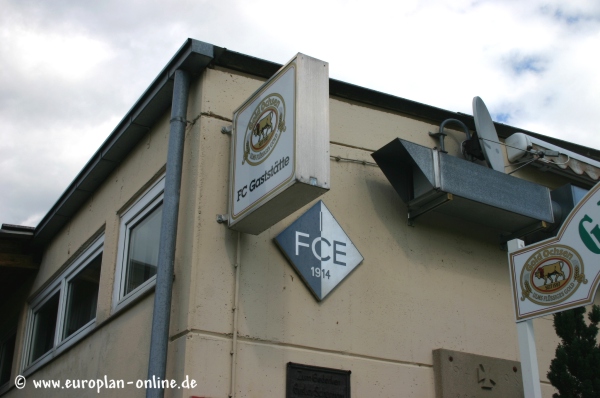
[(66, 310), (82, 298), (139, 239), (7, 349), (44, 327)]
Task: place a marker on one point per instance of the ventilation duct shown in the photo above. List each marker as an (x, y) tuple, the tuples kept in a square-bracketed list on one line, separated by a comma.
[(428, 179)]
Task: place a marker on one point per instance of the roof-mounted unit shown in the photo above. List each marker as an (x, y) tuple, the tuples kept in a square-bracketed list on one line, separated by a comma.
[(523, 149)]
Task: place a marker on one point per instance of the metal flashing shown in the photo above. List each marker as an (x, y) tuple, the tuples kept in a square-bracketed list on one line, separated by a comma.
[(16, 231)]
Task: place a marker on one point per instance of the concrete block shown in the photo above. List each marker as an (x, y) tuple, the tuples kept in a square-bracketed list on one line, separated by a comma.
[(459, 374)]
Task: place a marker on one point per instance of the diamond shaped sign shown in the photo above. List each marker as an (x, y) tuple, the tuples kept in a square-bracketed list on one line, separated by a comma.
[(319, 249)]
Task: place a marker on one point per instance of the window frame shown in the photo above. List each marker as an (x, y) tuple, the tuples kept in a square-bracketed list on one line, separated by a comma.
[(151, 200), (85, 328), (59, 286), (12, 334)]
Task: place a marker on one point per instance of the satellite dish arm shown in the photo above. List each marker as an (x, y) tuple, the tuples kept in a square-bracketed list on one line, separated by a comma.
[(441, 134)]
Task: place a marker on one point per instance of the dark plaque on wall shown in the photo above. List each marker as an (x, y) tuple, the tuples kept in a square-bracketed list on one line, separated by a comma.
[(313, 381)]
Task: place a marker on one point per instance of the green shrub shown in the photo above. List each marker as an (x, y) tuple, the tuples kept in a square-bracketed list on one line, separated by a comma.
[(575, 371)]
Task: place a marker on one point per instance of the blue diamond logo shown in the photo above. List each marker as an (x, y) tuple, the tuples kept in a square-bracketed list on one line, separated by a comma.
[(319, 250)]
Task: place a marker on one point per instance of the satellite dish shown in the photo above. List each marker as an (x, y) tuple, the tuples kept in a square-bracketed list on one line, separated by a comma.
[(488, 138)]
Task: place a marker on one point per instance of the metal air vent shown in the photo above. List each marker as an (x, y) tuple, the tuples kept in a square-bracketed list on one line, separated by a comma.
[(428, 179)]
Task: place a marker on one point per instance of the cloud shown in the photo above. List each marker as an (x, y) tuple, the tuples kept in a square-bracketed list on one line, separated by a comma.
[(573, 13), (521, 64), (71, 70), (63, 56)]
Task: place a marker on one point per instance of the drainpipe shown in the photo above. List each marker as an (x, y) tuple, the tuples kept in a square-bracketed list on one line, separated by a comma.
[(236, 312), (159, 340)]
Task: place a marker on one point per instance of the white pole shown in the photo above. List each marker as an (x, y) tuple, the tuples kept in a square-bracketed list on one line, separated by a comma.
[(236, 313), (529, 363)]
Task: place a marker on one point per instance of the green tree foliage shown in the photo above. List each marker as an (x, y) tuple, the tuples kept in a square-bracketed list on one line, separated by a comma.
[(575, 371)]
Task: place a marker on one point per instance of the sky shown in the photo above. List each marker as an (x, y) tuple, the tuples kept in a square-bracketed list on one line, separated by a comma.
[(70, 69)]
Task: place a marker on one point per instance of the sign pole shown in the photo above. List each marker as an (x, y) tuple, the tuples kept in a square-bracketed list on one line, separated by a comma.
[(529, 363), (528, 353)]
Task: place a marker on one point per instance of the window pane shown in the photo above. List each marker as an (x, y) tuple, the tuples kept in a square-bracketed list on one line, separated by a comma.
[(6, 358), (44, 326), (82, 297), (142, 258)]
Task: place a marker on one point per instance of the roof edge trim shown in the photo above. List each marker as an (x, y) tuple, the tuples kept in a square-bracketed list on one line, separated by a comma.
[(193, 56)]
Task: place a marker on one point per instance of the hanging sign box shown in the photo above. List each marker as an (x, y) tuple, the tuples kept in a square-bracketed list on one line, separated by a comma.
[(561, 272), (280, 146)]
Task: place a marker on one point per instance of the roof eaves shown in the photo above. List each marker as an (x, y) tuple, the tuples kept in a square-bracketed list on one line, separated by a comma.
[(11, 231), (194, 56)]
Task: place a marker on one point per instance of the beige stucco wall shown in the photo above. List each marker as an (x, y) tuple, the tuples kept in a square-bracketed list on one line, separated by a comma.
[(440, 284), (118, 350), (117, 347)]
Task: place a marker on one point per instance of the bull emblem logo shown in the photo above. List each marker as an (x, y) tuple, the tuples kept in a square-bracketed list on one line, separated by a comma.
[(547, 271), (266, 125), (263, 128), (551, 275)]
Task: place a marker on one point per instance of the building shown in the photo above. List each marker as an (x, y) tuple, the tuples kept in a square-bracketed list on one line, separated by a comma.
[(73, 310)]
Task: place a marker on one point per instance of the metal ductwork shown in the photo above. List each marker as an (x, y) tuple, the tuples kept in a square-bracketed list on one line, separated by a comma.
[(564, 200), (428, 179)]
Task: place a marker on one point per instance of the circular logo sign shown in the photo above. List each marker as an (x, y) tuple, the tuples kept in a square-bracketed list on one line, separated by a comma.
[(264, 129), (551, 275)]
